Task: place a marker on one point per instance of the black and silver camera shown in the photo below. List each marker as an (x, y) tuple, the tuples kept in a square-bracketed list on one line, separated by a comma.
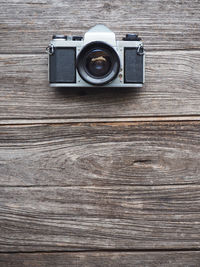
[(96, 60)]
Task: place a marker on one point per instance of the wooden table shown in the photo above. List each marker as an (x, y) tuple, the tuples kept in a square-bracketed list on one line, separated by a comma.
[(100, 177)]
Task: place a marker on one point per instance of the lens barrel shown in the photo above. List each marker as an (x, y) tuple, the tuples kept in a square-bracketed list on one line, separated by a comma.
[(98, 63)]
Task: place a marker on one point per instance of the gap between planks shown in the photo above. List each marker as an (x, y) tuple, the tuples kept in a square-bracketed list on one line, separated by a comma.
[(30, 121), (93, 251), (165, 186)]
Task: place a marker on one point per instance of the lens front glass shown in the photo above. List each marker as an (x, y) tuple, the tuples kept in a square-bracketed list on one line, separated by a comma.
[(98, 62)]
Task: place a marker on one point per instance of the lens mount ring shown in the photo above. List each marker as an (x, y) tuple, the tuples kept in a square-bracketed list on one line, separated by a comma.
[(86, 75)]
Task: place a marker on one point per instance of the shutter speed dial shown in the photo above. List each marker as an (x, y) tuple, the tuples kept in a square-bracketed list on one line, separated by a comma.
[(131, 37)]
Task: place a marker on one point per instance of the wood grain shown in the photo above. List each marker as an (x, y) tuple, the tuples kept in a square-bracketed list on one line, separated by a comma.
[(116, 186), (157, 153), (92, 217), (99, 259), (27, 26), (172, 88)]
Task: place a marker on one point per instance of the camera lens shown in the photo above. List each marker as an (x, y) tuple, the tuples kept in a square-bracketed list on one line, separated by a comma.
[(98, 63)]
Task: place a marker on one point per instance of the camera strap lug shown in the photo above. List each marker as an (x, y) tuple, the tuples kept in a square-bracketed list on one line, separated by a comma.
[(50, 49), (140, 50)]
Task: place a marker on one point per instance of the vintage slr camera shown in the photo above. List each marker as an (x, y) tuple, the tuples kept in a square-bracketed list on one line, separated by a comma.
[(96, 60)]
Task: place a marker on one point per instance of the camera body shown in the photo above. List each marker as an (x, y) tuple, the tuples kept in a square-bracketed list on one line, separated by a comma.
[(97, 60)]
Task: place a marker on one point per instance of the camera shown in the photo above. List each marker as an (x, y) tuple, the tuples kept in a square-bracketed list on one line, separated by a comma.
[(97, 60)]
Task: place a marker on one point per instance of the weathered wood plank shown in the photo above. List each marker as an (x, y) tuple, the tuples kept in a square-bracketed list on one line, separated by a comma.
[(27, 26), (117, 217), (99, 259), (172, 88), (100, 154)]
